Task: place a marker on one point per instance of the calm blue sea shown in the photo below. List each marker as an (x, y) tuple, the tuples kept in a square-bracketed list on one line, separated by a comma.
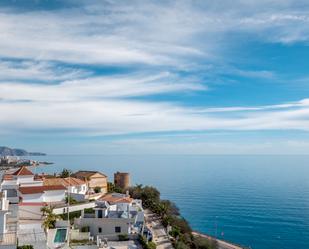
[(256, 201)]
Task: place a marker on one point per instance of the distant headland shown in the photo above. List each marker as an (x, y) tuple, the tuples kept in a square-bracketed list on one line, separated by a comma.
[(6, 151)]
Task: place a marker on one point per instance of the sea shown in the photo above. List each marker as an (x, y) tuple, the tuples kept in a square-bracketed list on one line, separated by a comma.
[(258, 201)]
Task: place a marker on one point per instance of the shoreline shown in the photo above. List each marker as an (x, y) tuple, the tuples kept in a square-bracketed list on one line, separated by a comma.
[(222, 244)]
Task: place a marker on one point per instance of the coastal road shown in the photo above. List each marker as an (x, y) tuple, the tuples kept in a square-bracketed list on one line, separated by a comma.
[(159, 234)]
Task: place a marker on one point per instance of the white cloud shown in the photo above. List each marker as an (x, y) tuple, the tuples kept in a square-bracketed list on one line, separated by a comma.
[(155, 38), (99, 87), (97, 106), (37, 71), (153, 33)]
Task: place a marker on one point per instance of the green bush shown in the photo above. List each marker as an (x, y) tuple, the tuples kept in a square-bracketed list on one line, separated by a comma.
[(71, 200), (123, 237), (151, 245), (145, 244), (75, 214), (80, 242), (89, 211), (181, 223), (175, 232), (25, 247), (85, 229), (181, 245), (204, 243)]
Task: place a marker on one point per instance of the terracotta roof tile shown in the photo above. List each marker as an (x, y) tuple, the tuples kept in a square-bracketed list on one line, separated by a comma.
[(40, 189), (112, 199), (23, 171), (72, 181), (87, 173)]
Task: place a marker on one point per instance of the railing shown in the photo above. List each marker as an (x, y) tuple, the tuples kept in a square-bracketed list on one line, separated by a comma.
[(73, 208)]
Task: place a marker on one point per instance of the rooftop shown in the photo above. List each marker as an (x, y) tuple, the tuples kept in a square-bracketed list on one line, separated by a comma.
[(40, 189), (87, 173), (116, 198), (69, 181), (23, 171)]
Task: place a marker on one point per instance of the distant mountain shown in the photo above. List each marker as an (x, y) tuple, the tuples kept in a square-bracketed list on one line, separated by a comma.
[(6, 151)]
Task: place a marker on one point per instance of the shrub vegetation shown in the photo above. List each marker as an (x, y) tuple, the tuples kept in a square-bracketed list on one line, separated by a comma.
[(180, 230)]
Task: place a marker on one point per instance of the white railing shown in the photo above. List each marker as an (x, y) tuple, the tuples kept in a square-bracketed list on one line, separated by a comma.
[(73, 208)]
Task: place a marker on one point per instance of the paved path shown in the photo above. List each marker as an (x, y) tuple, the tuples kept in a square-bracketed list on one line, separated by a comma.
[(221, 244), (160, 236)]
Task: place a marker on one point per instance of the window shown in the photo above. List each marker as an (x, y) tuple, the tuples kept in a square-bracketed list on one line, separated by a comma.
[(99, 229), (100, 213), (117, 229)]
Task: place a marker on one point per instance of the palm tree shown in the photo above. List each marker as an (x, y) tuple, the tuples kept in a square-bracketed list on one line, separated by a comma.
[(49, 218)]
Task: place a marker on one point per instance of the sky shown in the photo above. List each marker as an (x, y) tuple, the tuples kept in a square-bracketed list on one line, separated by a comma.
[(155, 77)]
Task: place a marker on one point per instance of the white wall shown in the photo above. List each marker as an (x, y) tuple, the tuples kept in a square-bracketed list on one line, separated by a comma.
[(73, 208), (81, 189), (24, 179), (54, 196), (7, 184), (107, 225), (32, 197)]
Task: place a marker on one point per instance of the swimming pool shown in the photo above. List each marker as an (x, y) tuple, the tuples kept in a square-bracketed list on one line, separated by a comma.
[(61, 235)]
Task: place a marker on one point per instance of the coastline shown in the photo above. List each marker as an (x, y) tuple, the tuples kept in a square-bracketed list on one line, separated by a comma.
[(222, 244)]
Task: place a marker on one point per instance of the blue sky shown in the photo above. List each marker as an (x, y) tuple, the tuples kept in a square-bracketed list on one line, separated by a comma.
[(175, 77)]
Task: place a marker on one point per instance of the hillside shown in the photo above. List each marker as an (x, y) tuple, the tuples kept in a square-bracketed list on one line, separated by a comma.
[(6, 151)]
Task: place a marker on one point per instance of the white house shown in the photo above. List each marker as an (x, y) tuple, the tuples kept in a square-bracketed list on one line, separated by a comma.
[(7, 237), (114, 214), (13, 180), (76, 187), (42, 194)]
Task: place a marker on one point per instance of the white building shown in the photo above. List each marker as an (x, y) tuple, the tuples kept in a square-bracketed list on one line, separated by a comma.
[(7, 237), (76, 187), (42, 194), (114, 214), (20, 177)]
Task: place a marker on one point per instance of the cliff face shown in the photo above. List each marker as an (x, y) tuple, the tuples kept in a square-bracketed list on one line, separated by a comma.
[(6, 151)]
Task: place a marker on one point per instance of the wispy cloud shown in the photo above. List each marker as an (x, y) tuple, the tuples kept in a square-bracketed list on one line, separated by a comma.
[(155, 33), (38, 71), (52, 66), (98, 87)]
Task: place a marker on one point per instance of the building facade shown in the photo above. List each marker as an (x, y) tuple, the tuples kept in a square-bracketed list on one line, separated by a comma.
[(95, 181)]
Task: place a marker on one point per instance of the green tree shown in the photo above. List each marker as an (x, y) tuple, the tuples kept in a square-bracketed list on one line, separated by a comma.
[(181, 223), (49, 218), (181, 245), (71, 200), (65, 173), (112, 188)]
